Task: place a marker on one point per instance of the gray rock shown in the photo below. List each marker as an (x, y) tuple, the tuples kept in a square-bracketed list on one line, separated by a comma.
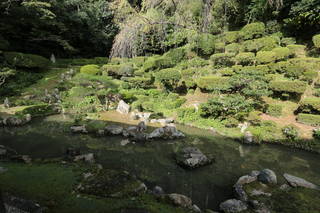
[(259, 193), (195, 208), (124, 142), (240, 192), (88, 158), (246, 179), (6, 103), (191, 157), (285, 187), (294, 181), (142, 126), (113, 130), (233, 206), (180, 200), (248, 138), (157, 190), (142, 188), (267, 176), (167, 132), (78, 129), (123, 107)]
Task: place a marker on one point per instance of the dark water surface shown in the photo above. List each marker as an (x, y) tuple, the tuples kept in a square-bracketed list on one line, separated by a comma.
[(153, 162)]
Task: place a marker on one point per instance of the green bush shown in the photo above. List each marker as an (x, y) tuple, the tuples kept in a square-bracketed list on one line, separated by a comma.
[(233, 48), (245, 58), (310, 105), (283, 86), (253, 30), (22, 60), (297, 50), (265, 43), (316, 133), (169, 78), (156, 63), (204, 44), (126, 70), (213, 83), (230, 122), (38, 110), (226, 71), (95, 126), (222, 59), (175, 55), (186, 115), (140, 82), (117, 61), (313, 120), (220, 47), (254, 118), (90, 69), (316, 40), (266, 131), (282, 53), (274, 110), (291, 132), (265, 57), (288, 41), (110, 69), (309, 76), (224, 107), (232, 36)]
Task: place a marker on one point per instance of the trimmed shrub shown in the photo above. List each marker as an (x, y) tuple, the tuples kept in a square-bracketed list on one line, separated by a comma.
[(313, 120), (22, 60), (245, 58), (220, 47), (204, 44), (90, 69), (309, 76), (38, 110), (175, 55), (226, 72), (213, 83), (188, 73), (290, 131), (111, 70), (297, 50), (266, 43), (138, 61), (230, 122), (232, 36), (282, 53), (156, 63), (140, 82), (254, 118), (274, 110), (288, 41), (316, 40), (310, 105), (297, 87), (126, 70), (253, 30), (222, 59), (168, 77), (117, 61), (263, 69), (233, 48), (265, 57)]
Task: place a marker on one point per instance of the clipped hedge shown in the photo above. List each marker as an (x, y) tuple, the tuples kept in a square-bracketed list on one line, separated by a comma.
[(316, 40), (245, 58), (38, 110), (288, 41), (232, 37), (310, 119), (22, 60), (298, 50), (265, 43), (233, 48), (140, 82), (310, 104), (110, 69), (168, 77), (156, 63), (204, 44), (90, 69), (222, 59), (175, 55), (213, 83), (297, 87), (275, 110), (265, 57), (282, 53), (253, 30)]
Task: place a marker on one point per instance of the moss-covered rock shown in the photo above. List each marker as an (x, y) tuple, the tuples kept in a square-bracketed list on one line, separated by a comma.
[(253, 30), (90, 69), (29, 61)]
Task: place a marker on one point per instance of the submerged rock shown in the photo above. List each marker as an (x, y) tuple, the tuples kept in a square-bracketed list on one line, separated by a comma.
[(79, 129), (191, 157), (16, 120), (88, 158), (157, 190), (248, 138), (19, 205), (267, 176), (180, 200), (21, 158), (294, 181), (123, 107), (233, 206)]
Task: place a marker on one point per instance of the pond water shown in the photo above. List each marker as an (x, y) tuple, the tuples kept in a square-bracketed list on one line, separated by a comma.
[(154, 164)]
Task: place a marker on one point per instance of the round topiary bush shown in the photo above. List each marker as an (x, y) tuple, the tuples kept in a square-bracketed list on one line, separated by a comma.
[(245, 58), (316, 40), (282, 53), (90, 69), (253, 30), (265, 57), (29, 61)]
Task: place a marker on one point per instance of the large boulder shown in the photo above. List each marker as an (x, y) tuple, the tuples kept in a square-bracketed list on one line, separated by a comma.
[(113, 130), (135, 133), (180, 200), (191, 157), (267, 176), (167, 132), (294, 181), (233, 206), (123, 107)]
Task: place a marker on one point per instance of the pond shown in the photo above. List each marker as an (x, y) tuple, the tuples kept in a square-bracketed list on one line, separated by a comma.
[(154, 163)]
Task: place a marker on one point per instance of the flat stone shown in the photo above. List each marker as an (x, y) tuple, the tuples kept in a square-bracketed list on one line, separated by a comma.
[(294, 181), (180, 200)]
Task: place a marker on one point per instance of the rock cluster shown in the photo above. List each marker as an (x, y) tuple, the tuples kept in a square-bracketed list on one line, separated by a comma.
[(15, 120), (191, 158)]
